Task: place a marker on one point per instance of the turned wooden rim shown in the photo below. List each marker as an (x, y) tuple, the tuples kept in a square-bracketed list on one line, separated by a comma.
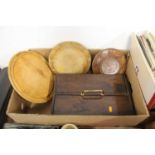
[(65, 43)]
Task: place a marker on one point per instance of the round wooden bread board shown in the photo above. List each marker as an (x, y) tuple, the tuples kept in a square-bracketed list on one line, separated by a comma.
[(31, 77)]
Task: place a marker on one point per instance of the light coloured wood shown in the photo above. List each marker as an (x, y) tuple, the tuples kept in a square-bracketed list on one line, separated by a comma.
[(69, 57), (43, 51), (31, 77)]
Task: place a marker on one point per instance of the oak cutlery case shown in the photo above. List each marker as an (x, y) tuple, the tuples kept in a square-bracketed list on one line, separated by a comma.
[(92, 94)]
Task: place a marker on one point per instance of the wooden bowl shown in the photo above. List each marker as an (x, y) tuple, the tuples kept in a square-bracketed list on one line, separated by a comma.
[(109, 61), (31, 77), (69, 57)]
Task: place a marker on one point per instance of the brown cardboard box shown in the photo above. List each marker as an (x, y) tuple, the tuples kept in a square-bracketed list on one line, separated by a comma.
[(42, 114)]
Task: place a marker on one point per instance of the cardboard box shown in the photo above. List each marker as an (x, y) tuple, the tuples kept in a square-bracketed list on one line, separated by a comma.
[(143, 71), (42, 115)]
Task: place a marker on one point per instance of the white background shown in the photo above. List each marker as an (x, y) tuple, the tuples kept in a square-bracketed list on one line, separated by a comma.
[(43, 23), (18, 38), (116, 19)]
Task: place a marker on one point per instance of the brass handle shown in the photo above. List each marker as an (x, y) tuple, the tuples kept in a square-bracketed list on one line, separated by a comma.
[(92, 92)]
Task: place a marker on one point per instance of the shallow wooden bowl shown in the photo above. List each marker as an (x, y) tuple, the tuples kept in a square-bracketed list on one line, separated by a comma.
[(109, 61), (69, 57)]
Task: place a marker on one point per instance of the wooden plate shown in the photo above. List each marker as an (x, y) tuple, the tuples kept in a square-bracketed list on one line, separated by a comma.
[(109, 61), (69, 57), (31, 76)]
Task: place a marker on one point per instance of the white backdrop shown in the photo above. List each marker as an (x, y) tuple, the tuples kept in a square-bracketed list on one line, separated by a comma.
[(120, 18), (14, 39)]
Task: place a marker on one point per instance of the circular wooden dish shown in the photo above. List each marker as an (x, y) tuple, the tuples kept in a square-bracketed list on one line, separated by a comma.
[(31, 77), (69, 57), (109, 61)]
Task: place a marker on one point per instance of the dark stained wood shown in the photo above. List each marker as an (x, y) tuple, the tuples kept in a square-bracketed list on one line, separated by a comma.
[(5, 92), (67, 99)]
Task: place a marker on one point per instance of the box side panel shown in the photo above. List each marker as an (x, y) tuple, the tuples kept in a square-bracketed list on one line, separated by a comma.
[(144, 73), (78, 120), (14, 105), (137, 94)]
